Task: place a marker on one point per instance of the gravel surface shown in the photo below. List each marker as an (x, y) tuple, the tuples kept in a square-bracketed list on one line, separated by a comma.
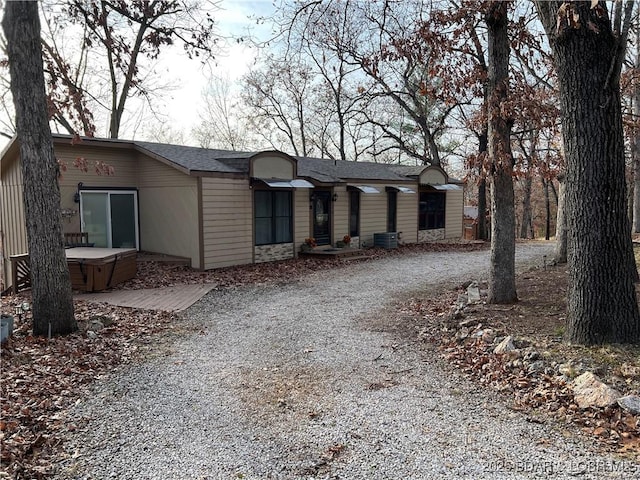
[(303, 380)]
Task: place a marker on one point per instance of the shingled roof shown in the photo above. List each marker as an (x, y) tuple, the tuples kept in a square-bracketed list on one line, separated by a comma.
[(226, 161), (196, 159)]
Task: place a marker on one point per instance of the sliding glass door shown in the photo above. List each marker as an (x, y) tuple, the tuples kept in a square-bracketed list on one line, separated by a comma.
[(110, 217)]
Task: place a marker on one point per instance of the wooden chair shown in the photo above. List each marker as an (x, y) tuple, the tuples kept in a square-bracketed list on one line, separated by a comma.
[(20, 272), (77, 239)]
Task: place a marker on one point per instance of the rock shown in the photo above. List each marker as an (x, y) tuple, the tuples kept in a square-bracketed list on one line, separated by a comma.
[(630, 403), (468, 322), (473, 293), (488, 335), (627, 370), (95, 325), (537, 366), (462, 300), (91, 334), (590, 391), (506, 345), (532, 356), (462, 334)]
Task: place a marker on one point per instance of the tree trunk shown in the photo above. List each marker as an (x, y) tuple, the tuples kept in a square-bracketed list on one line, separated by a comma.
[(526, 229), (547, 209), (601, 299), (635, 144), (483, 146), (51, 287), (560, 254), (502, 277), (635, 160)]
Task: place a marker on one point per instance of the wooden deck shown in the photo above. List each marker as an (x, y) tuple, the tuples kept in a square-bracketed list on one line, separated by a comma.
[(168, 299)]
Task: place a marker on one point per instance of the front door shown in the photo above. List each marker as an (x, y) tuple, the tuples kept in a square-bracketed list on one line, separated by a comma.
[(110, 218), (322, 217)]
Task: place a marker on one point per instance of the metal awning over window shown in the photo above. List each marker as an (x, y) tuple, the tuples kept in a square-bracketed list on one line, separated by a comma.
[(295, 183), (446, 186), (402, 189), (365, 188)]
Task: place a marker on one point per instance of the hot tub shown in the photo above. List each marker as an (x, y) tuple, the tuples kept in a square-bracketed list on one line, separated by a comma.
[(95, 269)]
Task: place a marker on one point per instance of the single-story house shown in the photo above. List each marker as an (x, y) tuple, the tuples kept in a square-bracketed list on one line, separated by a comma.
[(221, 208)]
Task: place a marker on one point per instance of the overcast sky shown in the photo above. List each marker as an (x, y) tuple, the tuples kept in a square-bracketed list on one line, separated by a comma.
[(235, 18)]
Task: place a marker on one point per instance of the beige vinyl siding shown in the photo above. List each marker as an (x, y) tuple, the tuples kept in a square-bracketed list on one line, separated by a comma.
[(169, 221), (227, 222), (168, 203), (432, 175), (373, 215), (302, 218), (407, 217), (124, 175), (152, 173), (454, 213), (12, 218), (340, 214), (270, 166)]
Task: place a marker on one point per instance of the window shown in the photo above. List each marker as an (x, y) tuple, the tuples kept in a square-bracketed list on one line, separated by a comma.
[(432, 208), (392, 208), (273, 217), (354, 213), (110, 217)]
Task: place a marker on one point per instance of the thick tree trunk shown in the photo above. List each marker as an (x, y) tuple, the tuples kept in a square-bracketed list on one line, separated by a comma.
[(560, 254), (502, 277), (635, 145), (601, 300), (635, 159), (51, 288), (483, 233)]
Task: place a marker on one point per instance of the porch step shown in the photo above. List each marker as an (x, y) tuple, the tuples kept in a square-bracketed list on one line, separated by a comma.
[(342, 253)]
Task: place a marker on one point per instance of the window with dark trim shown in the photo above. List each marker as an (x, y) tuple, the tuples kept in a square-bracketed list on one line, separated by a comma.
[(354, 213), (392, 210), (432, 210), (273, 219)]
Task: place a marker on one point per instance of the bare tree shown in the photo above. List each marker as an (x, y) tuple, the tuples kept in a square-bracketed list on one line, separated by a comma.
[(281, 96), (502, 275), (222, 119), (121, 37)]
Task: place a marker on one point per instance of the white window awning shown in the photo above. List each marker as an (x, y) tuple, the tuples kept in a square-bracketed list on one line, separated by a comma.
[(446, 186), (299, 183), (403, 189), (295, 183), (366, 188)]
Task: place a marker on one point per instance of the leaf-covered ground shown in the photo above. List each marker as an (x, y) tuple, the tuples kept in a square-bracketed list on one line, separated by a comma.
[(536, 378), (41, 379)]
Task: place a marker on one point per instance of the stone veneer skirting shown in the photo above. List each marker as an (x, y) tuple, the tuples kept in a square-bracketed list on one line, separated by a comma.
[(430, 235), (271, 253)]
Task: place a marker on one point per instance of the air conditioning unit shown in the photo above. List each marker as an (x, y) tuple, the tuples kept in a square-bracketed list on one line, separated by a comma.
[(385, 240)]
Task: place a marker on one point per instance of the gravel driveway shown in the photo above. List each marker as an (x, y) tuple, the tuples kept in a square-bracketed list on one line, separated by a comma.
[(303, 380)]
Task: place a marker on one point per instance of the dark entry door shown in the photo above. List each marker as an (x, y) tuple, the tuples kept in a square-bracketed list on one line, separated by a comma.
[(321, 217)]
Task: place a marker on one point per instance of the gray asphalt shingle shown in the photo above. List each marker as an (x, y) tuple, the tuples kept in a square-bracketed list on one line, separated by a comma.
[(226, 161)]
